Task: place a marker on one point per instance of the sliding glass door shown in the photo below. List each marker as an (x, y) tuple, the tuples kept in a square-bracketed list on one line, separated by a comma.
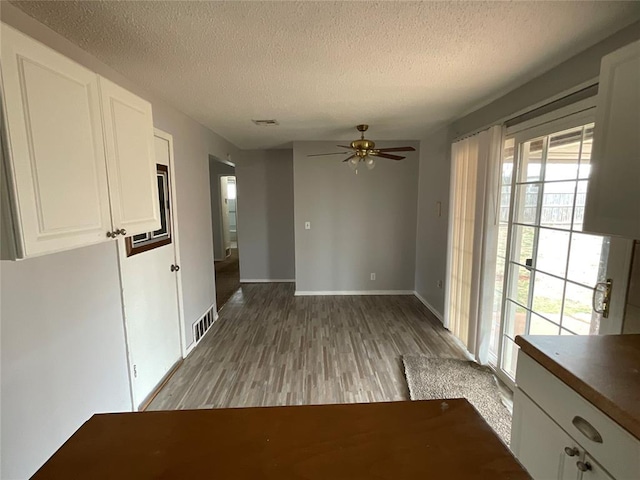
[(551, 276)]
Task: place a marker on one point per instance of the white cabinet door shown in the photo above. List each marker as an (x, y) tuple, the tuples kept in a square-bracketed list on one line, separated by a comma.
[(539, 444), (133, 188), (595, 471), (56, 161), (613, 195)]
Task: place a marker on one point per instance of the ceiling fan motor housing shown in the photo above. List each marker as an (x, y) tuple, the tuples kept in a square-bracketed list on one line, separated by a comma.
[(362, 146)]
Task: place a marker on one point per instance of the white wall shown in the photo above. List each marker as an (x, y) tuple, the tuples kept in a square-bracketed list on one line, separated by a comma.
[(360, 224), (217, 168), (431, 241), (63, 351), (63, 354), (265, 215)]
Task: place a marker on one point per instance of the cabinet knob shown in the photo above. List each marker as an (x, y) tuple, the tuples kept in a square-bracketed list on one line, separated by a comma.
[(112, 234), (175, 268), (583, 466), (571, 451), (121, 231)]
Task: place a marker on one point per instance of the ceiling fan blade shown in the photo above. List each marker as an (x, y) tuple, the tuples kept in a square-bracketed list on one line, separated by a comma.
[(323, 154), (396, 149), (386, 155), (348, 158), (345, 146)]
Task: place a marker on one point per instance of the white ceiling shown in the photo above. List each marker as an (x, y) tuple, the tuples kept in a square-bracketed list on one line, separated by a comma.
[(320, 68)]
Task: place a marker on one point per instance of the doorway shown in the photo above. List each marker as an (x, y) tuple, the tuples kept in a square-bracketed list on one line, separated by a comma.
[(224, 222), (552, 277)]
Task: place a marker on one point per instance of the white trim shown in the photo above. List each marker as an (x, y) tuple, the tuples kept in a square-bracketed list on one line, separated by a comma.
[(431, 308), (300, 293), (190, 349), (267, 280)]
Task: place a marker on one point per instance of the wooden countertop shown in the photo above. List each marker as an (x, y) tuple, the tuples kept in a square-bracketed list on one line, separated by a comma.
[(435, 439), (604, 369)]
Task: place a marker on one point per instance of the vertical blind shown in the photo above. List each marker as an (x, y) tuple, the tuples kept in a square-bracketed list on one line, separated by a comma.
[(473, 162)]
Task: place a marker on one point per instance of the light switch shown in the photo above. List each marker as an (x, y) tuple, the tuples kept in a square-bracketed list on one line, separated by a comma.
[(307, 225)]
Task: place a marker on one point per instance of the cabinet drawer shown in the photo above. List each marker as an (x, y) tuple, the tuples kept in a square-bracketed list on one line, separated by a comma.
[(619, 451)]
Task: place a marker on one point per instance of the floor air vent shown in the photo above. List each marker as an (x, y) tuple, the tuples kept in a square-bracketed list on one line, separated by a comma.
[(202, 325)]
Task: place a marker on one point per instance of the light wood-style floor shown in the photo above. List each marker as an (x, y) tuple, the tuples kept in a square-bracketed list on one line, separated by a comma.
[(271, 348)]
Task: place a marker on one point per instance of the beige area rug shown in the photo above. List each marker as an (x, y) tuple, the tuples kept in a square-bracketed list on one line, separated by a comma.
[(438, 378)]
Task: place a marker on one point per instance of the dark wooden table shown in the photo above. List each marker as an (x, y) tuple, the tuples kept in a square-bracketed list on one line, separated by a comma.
[(436, 439)]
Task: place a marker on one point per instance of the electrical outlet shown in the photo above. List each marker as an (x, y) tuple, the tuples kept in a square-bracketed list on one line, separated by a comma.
[(307, 225), (439, 283), (373, 276)]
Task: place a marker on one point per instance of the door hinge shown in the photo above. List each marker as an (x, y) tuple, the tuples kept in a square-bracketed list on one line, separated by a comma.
[(135, 371)]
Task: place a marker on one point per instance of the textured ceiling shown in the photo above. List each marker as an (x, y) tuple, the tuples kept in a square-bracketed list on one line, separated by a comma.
[(320, 68)]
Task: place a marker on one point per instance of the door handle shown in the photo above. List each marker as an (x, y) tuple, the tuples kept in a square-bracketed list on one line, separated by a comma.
[(175, 268), (121, 231), (111, 234), (604, 288)]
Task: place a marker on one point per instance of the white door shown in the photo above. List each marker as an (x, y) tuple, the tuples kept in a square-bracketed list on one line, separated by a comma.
[(129, 139), (56, 164), (149, 273), (555, 274)]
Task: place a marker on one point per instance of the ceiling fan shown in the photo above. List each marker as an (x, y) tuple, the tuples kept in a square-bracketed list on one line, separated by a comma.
[(364, 150)]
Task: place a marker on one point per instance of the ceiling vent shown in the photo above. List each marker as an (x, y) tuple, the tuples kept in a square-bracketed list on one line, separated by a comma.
[(266, 123)]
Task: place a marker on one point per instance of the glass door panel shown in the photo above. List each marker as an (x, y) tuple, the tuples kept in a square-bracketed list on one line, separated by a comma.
[(551, 267)]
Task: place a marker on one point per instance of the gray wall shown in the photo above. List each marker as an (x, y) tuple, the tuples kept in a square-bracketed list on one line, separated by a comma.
[(359, 223), (431, 241), (63, 351), (216, 169), (432, 225), (265, 215)]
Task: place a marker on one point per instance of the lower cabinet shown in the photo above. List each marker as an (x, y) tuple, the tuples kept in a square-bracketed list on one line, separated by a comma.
[(544, 449), (557, 434)]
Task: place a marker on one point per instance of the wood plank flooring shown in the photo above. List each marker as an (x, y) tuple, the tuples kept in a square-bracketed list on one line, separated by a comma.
[(271, 348), (227, 277)]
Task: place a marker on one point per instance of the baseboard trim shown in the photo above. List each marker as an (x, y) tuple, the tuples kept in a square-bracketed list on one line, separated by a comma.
[(431, 308), (300, 293), (267, 280), (147, 401)]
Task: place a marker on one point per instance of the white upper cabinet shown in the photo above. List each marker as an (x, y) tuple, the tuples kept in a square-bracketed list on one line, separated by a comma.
[(613, 195), (79, 164), (128, 128), (56, 169)]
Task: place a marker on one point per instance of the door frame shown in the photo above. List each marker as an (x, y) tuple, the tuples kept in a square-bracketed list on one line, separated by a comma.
[(135, 402), (621, 249)]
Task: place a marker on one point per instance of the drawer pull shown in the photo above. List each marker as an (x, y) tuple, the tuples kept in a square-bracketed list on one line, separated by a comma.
[(586, 429)]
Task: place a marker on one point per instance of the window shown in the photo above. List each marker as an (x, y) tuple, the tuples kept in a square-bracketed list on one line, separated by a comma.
[(158, 238)]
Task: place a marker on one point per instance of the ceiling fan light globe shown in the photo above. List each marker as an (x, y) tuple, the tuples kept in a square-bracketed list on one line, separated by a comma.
[(370, 163), (353, 163)]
